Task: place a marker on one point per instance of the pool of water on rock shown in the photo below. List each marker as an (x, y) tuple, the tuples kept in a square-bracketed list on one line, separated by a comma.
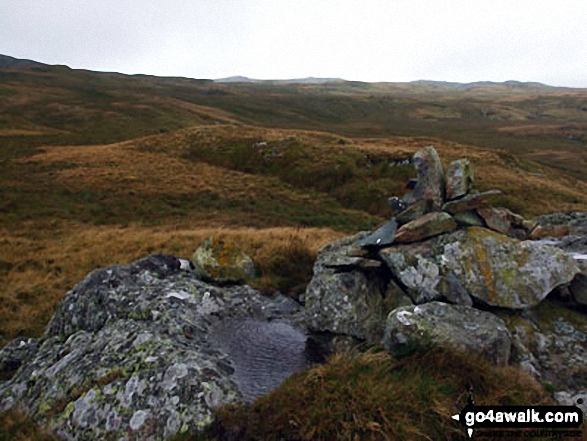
[(264, 354)]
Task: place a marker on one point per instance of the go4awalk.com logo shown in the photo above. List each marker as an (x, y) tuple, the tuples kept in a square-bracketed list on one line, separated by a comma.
[(566, 420)]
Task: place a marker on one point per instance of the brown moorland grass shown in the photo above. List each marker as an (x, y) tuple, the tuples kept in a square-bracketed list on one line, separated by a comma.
[(37, 270)]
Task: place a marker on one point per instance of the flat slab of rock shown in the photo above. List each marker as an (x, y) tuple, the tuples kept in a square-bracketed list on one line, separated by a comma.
[(459, 179), (429, 225), (493, 268), (469, 202), (451, 326), (383, 236)]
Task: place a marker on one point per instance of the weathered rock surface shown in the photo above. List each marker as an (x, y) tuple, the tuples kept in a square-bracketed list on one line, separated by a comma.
[(550, 342), (457, 327), (349, 301), (493, 268), (221, 261), (459, 179), (426, 226), (134, 353)]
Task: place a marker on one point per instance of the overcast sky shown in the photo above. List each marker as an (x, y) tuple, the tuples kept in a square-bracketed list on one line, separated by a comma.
[(366, 40)]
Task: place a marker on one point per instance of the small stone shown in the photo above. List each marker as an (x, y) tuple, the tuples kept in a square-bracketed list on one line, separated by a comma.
[(414, 211), (429, 225)]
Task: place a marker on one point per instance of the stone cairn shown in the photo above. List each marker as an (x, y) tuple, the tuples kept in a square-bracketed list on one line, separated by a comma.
[(452, 270), (439, 202)]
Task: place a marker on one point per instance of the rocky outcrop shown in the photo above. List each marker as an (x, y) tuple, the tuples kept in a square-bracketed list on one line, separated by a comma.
[(222, 261), (459, 327), (147, 350)]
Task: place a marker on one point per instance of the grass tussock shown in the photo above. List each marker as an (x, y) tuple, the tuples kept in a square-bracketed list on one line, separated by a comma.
[(374, 396), (17, 426)]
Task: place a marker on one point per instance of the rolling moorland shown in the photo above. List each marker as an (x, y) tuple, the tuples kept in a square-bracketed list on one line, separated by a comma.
[(103, 168)]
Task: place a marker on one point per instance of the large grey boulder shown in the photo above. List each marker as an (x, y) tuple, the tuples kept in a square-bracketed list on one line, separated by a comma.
[(451, 326), (137, 352), (493, 268), (346, 295)]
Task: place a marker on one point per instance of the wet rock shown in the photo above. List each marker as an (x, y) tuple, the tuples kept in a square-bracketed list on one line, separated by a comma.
[(429, 225), (222, 261), (431, 184), (131, 354), (459, 179), (504, 221), (452, 326), (469, 202), (491, 267)]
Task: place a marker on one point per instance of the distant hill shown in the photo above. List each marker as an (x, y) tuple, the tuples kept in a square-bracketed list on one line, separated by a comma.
[(308, 80), (510, 83), (8, 62)]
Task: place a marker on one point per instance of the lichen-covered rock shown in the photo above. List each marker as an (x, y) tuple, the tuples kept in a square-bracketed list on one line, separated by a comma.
[(551, 340), (342, 298), (132, 354), (452, 326), (491, 267), (222, 261), (429, 225), (459, 179), (431, 184)]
